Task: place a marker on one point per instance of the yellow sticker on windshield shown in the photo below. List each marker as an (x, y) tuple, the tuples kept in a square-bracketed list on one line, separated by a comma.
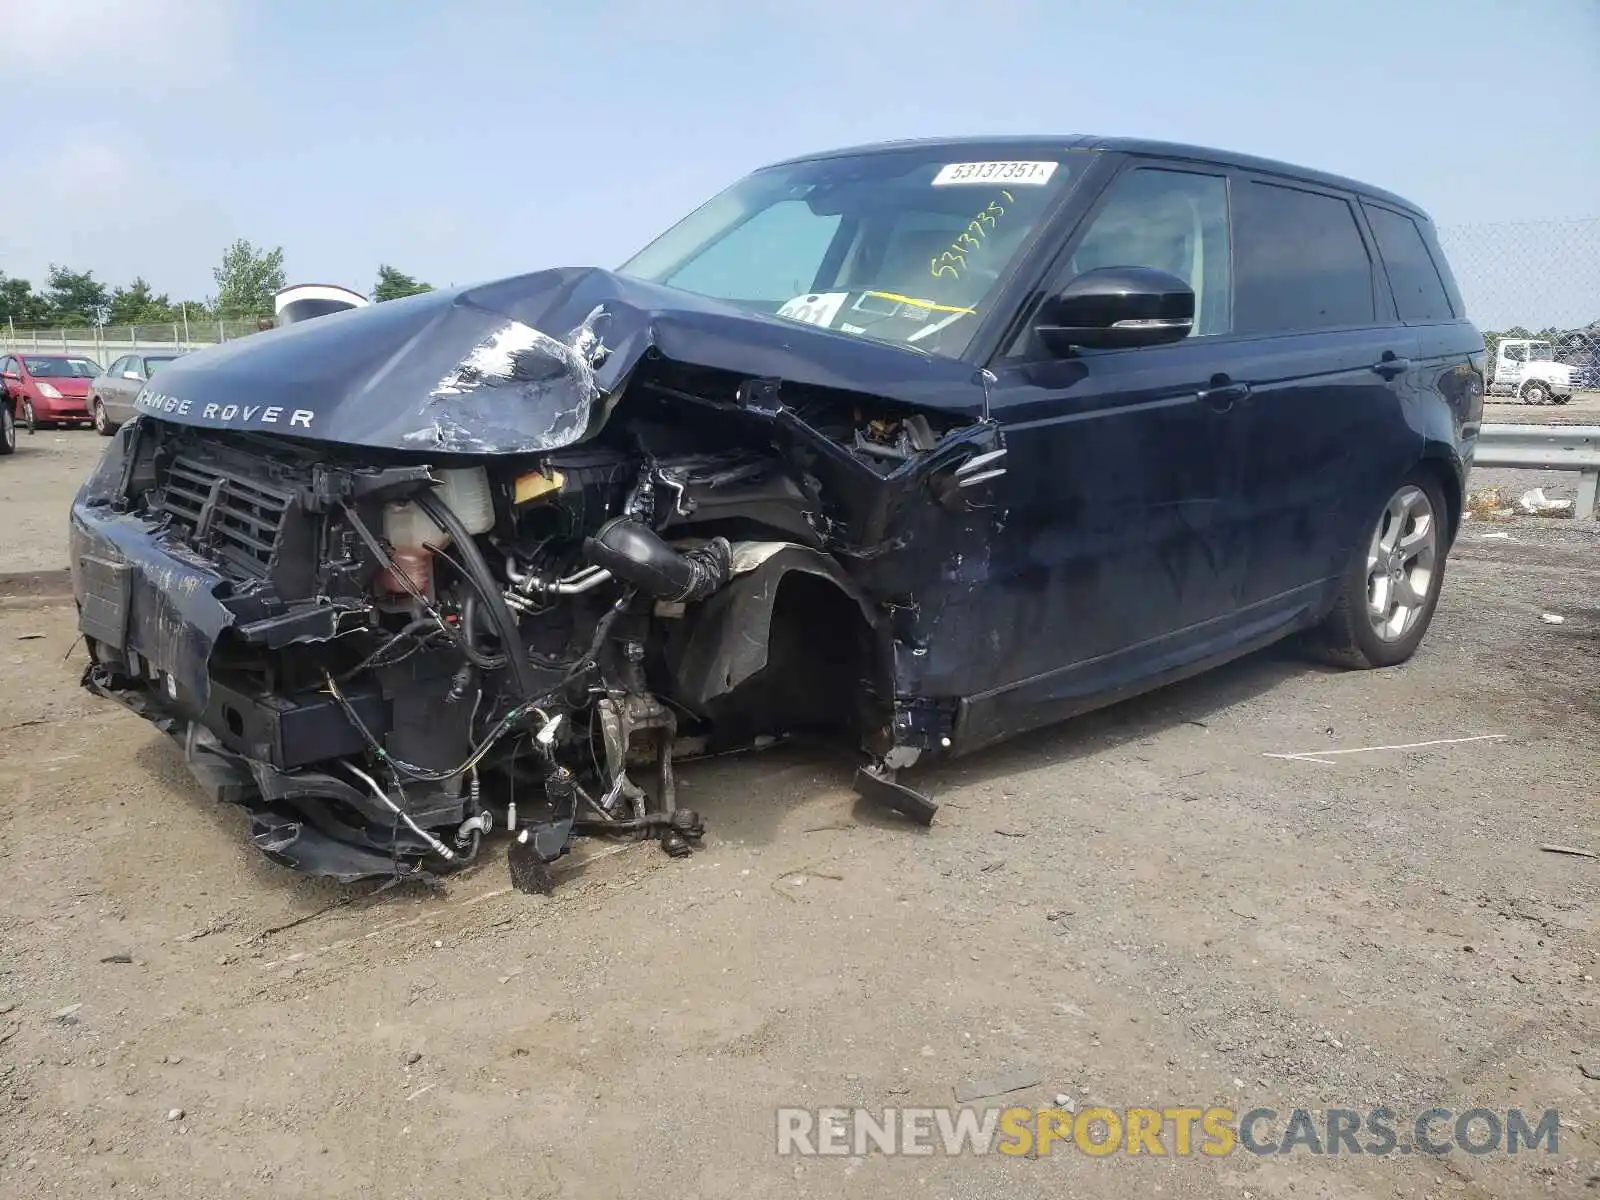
[(916, 303)]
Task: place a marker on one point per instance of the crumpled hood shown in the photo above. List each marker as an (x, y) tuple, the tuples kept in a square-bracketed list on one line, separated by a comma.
[(517, 366)]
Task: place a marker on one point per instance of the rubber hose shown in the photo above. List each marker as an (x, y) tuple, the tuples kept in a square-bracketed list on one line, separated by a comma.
[(469, 626), (478, 570)]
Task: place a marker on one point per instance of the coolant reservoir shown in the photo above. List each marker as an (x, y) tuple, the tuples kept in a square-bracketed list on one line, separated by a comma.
[(410, 533), (466, 491)]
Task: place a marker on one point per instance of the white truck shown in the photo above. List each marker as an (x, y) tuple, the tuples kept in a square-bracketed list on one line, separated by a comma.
[(1526, 368)]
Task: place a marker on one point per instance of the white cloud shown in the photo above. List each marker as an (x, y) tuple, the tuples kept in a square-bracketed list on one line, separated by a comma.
[(98, 201), (121, 46)]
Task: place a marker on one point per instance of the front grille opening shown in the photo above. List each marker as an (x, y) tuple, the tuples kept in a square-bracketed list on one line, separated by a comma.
[(238, 520)]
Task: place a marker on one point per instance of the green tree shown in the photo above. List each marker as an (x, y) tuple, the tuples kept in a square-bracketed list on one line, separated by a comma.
[(20, 305), (136, 304), (393, 284), (77, 297), (246, 281)]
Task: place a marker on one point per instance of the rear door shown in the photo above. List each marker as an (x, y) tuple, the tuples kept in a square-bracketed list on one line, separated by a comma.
[(1325, 435), (109, 386)]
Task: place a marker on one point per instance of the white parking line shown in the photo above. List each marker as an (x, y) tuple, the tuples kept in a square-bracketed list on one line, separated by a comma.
[(1322, 756)]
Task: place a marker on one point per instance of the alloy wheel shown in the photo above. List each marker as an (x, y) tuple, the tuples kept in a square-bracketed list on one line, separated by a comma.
[(99, 416), (8, 428), (1400, 563), (27, 416)]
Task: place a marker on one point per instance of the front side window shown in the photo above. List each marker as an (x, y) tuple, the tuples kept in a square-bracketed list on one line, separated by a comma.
[(1301, 263), (1174, 221), (901, 246), (1419, 293)]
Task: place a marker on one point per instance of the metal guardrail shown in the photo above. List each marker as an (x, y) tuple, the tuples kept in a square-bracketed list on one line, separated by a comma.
[(1547, 448)]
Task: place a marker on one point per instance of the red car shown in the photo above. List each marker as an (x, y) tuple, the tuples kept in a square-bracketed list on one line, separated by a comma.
[(48, 389)]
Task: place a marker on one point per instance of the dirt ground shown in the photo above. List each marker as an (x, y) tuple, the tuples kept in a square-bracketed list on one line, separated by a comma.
[(1141, 907)]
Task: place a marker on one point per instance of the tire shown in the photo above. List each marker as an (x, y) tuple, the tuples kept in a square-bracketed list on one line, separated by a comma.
[(102, 423), (27, 417), (8, 430), (1353, 634), (1535, 392)]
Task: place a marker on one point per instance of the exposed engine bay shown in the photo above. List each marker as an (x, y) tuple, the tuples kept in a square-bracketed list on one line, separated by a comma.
[(391, 654)]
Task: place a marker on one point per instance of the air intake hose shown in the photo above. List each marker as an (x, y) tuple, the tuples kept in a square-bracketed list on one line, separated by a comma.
[(634, 553)]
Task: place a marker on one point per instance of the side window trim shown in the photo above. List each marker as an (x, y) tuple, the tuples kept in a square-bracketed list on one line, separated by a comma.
[(1383, 309)]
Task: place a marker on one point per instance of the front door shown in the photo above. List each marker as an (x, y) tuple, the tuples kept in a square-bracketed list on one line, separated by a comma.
[(1120, 555)]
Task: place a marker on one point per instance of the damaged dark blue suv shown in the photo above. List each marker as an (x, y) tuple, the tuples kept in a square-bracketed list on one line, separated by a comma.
[(917, 446)]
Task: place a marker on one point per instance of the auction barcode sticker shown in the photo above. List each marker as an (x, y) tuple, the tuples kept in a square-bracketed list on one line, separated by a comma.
[(995, 172)]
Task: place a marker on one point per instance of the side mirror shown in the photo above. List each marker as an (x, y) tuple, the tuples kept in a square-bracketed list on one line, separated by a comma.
[(1117, 308)]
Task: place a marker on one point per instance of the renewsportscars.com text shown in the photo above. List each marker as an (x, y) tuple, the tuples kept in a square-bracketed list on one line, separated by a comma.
[(1177, 1131)]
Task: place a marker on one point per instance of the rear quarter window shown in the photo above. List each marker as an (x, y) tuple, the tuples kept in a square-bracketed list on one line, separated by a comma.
[(1300, 261), (1419, 290)]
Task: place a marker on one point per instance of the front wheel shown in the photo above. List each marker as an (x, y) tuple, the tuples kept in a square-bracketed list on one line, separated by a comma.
[(1535, 393), (102, 423), (1388, 595), (8, 430), (27, 417)]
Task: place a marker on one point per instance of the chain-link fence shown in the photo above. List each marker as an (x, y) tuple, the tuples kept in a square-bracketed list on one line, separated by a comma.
[(103, 342), (1533, 288)]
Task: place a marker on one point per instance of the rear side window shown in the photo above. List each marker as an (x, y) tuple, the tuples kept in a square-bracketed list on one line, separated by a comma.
[(1300, 262), (1419, 292)]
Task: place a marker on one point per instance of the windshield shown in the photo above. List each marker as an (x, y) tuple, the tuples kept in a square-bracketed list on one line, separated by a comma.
[(154, 360), (61, 368), (1540, 351), (902, 246)]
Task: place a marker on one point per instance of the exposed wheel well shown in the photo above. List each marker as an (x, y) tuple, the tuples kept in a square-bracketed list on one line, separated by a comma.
[(786, 649), (819, 656)]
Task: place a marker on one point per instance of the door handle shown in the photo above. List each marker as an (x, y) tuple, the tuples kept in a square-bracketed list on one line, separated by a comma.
[(1390, 365), (1224, 396)]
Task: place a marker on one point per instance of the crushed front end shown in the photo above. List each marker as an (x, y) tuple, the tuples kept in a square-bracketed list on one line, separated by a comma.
[(387, 653)]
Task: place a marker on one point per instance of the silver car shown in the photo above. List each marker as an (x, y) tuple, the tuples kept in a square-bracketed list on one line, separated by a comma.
[(113, 392)]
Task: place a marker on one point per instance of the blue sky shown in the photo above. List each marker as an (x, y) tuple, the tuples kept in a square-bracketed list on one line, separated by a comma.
[(477, 138)]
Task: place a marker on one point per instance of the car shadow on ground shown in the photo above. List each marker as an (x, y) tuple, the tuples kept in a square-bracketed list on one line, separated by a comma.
[(755, 797), (760, 797)]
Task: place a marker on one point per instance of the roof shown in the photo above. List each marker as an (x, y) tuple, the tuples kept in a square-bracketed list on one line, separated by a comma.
[(1122, 145)]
